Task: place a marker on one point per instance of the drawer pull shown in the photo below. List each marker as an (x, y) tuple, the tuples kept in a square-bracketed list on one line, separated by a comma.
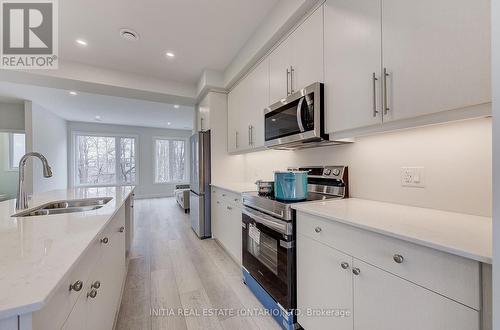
[(356, 271), (229, 208), (223, 195), (92, 294), (122, 229), (236, 200), (398, 258), (77, 286), (96, 285), (344, 265), (317, 229), (104, 240)]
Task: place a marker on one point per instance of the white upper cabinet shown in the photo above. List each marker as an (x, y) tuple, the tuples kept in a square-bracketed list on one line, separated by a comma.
[(246, 104), (298, 61), (394, 60), (353, 51), (280, 62), (437, 54)]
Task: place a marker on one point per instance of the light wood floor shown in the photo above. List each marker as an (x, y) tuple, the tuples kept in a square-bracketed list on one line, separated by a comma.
[(170, 268)]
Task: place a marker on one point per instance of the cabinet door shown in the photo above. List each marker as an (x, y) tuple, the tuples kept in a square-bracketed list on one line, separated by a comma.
[(234, 101), (323, 285), (214, 217), (257, 85), (280, 61), (234, 237), (437, 54), (383, 301), (307, 59), (77, 319), (352, 57)]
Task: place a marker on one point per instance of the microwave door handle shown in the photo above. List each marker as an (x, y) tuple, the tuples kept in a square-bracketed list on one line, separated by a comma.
[(299, 115)]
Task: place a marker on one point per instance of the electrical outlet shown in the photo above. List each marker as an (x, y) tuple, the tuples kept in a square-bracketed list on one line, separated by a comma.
[(412, 177)]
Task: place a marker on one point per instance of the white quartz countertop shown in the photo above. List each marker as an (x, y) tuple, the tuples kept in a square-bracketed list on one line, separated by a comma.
[(460, 234), (236, 187), (37, 252)]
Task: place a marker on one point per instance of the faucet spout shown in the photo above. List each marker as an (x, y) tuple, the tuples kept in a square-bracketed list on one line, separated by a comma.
[(22, 195)]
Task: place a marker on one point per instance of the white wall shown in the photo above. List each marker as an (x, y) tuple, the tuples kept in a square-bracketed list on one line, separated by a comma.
[(145, 162), (495, 22), (456, 157), (46, 133), (8, 177), (11, 117)]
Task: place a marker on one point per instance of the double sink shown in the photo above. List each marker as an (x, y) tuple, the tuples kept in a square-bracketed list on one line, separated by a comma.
[(66, 206)]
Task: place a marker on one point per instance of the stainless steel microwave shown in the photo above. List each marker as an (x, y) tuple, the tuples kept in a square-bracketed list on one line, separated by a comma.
[(297, 121)]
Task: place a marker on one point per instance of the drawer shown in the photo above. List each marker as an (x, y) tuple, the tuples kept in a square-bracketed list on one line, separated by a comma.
[(57, 309), (226, 197), (452, 276)]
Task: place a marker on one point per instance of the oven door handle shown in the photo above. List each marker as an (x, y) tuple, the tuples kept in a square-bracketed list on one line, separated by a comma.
[(299, 115), (279, 226)]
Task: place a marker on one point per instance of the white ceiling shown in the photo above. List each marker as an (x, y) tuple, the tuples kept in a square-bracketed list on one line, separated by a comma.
[(204, 34), (113, 110)]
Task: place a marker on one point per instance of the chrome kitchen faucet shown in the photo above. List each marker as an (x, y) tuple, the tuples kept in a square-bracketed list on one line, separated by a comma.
[(22, 195)]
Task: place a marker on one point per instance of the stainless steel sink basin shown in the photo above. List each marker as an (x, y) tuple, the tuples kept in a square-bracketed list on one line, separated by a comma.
[(67, 206)]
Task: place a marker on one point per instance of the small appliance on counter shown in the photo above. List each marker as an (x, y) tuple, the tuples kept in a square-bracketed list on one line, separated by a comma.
[(268, 245), (265, 188)]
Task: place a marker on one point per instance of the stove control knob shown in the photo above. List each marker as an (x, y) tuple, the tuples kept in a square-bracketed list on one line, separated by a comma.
[(336, 172), (327, 171)]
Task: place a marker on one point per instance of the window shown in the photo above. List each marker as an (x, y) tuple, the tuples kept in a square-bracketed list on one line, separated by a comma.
[(104, 160), (170, 160), (17, 148)]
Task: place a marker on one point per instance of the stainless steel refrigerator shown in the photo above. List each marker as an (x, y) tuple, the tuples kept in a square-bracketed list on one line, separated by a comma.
[(199, 196)]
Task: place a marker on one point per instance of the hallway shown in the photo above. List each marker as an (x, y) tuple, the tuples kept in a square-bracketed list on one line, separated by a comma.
[(171, 269)]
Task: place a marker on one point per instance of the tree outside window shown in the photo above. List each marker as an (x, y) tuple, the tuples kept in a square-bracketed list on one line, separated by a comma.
[(102, 160), (170, 160)]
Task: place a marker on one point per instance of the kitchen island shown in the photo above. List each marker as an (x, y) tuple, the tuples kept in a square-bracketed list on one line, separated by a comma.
[(53, 266)]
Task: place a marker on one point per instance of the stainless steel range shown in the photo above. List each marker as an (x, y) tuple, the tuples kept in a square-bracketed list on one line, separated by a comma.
[(269, 257)]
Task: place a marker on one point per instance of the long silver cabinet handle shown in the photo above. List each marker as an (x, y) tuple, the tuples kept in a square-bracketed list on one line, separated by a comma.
[(236, 140), (292, 70), (386, 106), (287, 87), (374, 81)]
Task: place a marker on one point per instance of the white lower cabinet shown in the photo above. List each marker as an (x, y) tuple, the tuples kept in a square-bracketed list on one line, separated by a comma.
[(336, 273), (324, 283), (226, 221), (383, 301), (98, 304)]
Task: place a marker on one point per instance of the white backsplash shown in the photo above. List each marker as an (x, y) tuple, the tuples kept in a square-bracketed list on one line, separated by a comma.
[(456, 156)]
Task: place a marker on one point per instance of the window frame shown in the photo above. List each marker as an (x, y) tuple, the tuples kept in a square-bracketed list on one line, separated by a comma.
[(116, 136), (10, 144), (186, 159)]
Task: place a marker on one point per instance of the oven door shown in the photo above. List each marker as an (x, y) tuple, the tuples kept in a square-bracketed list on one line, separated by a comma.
[(268, 251), (296, 118)]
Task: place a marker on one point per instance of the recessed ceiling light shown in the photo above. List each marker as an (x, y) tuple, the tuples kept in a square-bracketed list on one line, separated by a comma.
[(73, 93), (129, 34), (81, 42), (176, 106), (169, 123), (98, 118), (170, 54)]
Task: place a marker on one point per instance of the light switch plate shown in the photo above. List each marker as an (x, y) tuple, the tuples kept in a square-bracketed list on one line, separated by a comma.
[(412, 177)]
